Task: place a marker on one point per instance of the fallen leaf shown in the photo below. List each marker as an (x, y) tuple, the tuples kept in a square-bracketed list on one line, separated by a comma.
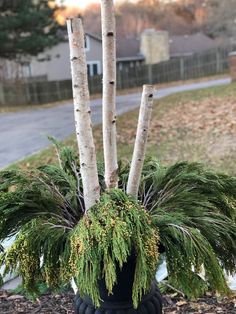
[(181, 303), (15, 297)]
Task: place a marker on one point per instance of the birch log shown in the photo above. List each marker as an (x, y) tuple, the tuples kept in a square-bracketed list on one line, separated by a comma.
[(141, 140), (109, 93), (82, 112)]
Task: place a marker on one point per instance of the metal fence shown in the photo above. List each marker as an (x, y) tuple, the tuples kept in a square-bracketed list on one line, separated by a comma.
[(198, 65)]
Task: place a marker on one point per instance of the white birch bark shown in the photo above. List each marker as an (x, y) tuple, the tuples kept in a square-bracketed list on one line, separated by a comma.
[(109, 93), (141, 140), (82, 112)]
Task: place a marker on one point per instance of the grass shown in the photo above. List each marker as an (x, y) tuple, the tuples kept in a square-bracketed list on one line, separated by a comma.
[(195, 126)]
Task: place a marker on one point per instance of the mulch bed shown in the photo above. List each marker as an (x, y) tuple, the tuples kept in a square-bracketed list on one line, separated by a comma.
[(63, 304)]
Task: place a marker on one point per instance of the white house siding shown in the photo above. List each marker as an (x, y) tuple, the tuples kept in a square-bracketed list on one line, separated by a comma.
[(55, 62), (94, 54), (57, 67)]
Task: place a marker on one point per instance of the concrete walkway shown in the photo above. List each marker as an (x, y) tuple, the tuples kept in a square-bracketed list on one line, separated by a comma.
[(24, 133)]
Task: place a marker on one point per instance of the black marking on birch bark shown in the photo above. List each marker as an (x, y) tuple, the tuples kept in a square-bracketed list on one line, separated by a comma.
[(112, 82), (110, 34), (150, 96), (89, 111), (97, 188), (74, 58), (83, 164), (76, 86), (144, 130), (139, 159), (77, 110), (113, 121)]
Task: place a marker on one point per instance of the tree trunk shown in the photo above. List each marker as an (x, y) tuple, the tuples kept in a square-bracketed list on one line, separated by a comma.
[(109, 93), (88, 163), (141, 140)]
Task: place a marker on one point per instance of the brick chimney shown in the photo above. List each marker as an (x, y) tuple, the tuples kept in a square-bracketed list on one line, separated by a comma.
[(155, 46)]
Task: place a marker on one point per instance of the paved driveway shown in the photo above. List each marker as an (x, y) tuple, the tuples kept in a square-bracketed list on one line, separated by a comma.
[(24, 133)]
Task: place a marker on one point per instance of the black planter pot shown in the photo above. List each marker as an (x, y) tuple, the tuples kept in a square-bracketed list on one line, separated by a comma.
[(120, 302)]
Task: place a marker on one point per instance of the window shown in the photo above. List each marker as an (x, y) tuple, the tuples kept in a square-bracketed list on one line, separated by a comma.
[(94, 68), (87, 43), (26, 69)]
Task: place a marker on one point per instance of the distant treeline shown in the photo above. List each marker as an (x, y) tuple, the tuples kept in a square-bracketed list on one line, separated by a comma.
[(215, 18)]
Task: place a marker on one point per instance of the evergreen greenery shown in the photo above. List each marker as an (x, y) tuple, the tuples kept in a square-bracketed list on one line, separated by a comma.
[(194, 210), (184, 211), (103, 240), (27, 27)]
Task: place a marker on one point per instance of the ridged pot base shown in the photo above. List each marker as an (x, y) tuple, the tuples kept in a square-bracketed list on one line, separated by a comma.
[(150, 304)]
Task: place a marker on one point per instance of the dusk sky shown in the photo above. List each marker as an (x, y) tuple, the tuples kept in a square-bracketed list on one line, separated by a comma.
[(82, 3)]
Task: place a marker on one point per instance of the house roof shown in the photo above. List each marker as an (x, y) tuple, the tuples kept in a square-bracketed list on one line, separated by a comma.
[(128, 47), (188, 44), (94, 37), (64, 35), (181, 45)]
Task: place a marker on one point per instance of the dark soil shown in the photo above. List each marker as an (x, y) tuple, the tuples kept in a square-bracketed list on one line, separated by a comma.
[(63, 304)]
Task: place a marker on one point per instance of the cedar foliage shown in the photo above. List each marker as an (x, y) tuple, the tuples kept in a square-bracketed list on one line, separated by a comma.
[(195, 211), (103, 241), (192, 209)]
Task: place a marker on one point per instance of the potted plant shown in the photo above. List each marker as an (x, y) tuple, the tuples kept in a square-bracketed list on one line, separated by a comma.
[(105, 225)]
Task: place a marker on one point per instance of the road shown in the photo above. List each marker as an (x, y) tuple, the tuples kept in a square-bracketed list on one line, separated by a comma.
[(24, 133)]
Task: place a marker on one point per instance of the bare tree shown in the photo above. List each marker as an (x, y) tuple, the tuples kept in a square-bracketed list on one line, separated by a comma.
[(109, 93), (82, 112), (221, 20), (141, 140)]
